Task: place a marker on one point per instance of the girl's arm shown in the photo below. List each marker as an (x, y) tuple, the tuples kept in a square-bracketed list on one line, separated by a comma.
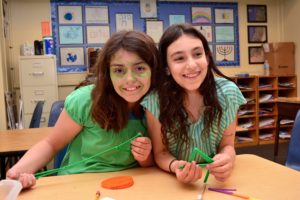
[(164, 159), (223, 163), (41, 153)]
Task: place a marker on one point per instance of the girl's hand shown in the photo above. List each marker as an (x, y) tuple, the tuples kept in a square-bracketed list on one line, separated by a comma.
[(141, 148), (27, 180), (189, 174), (222, 166)]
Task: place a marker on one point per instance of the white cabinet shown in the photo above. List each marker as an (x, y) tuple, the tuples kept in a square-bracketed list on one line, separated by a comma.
[(38, 82)]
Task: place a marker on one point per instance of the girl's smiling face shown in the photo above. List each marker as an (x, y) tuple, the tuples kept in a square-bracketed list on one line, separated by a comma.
[(130, 75), (187, 62)]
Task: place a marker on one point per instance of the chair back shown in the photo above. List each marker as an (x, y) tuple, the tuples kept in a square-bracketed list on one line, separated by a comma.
[(36, 115), (293, 157), (55, 111)]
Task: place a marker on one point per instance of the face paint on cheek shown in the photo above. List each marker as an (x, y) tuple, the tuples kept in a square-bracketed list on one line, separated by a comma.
[(145, 75), (114, 76)]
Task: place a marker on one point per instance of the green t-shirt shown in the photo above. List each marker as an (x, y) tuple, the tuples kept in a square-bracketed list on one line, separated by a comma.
[(92, 139), (230, 98)]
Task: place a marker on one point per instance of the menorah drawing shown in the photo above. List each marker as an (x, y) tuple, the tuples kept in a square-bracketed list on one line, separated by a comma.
[(224, 50)]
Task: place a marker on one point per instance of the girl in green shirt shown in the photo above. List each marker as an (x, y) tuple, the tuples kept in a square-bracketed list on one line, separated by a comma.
[(103, 115)]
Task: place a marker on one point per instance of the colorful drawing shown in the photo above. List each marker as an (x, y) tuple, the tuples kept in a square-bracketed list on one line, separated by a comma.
[(201, 15), (71, 56), (224, 15), (70, 35), (70, 14)]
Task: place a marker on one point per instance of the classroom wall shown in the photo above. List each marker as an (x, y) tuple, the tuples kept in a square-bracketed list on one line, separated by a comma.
[(291, 29), (26, 16)]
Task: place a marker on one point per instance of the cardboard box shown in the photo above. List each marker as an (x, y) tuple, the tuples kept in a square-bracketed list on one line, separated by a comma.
[(281, 57)]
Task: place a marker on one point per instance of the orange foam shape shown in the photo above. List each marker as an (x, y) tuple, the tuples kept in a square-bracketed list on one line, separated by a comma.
[(118, 182)]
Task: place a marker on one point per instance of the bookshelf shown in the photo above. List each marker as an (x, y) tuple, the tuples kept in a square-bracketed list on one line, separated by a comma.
[(257, 120)]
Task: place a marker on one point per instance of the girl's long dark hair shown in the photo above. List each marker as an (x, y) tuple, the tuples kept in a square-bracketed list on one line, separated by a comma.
[(110, 110), (173, 115)]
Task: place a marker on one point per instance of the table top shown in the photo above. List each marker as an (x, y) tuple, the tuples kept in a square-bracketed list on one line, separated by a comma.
[(288, 99), (252, 176), (21, 139)]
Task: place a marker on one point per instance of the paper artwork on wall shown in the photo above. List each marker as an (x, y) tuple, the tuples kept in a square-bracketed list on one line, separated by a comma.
[(70, 35), (97, 34), (124, 22), (176, 19), (96, 14), (154, 29), (201, 15), (224, 16), (224, 34), (148, 8), (71, 56), (225, 53), (206, 32), (70, 14)]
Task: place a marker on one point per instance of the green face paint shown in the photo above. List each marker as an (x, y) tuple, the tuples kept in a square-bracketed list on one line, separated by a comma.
[(133, 73)]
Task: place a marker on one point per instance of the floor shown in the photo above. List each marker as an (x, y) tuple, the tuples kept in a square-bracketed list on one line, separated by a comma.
[(266, 151)]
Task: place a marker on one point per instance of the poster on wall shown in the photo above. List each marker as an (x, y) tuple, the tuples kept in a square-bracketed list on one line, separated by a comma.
[(225, 53), (70, 35), (224, 34), (124, 22), (71, 56), (148, 8), (201, 15), (96, 14), (206, 32), (154, 29), (176, 19), (97, 34), (70, 14), (224, 16)]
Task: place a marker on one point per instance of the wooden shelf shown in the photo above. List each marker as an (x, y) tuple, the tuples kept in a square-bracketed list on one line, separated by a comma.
[(251, 87)]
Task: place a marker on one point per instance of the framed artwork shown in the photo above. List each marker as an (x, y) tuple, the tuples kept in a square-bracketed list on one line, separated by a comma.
[(124, 22), (256, 55), (257, 13), (257, 34), (148, 8), (201, 15)]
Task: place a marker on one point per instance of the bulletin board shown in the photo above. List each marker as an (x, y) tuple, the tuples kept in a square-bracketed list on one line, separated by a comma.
[(79, 25)]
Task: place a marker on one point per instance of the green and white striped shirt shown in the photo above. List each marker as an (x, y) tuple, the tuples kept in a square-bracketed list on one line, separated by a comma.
[(230, 99)]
